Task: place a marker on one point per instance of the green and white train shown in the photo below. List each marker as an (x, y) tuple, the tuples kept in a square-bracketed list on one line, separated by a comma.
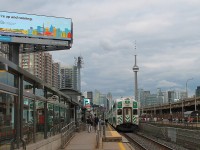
[(124, 115)]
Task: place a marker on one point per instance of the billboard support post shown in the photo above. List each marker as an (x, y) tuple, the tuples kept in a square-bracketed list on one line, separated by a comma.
[(14, 52)]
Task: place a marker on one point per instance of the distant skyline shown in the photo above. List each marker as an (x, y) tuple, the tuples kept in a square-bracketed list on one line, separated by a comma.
[(166, 32)]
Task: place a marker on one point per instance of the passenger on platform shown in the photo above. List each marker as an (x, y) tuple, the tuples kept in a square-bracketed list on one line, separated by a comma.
[(89, 123), (106, 120), (96, 121)]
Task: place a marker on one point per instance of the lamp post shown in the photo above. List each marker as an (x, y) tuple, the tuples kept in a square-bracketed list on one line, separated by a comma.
[(183, 103), (186, 86), (195, 102), (197, 118)]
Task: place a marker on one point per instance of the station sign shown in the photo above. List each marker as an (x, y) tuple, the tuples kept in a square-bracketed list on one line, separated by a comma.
[(87, 104), (35, 27)]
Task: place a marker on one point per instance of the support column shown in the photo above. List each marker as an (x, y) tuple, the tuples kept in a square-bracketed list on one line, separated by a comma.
[(14, 52), (21, 101), (59, 115), (75, 113), (34, 115), (16, 120), (45, 115)]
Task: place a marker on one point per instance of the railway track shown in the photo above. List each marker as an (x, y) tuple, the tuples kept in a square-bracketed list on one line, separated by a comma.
[(142, 142)]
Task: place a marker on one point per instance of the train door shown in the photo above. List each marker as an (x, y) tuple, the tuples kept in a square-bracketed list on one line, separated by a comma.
[(127, 114)]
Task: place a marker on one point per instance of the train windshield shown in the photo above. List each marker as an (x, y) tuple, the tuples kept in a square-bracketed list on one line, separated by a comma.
[(127, 111), (119, 112), (127, 114), (134, 111)]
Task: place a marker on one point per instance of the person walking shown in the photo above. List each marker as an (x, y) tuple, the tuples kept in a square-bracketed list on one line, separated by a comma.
[(96, 121), (89, 123), (106, 121)]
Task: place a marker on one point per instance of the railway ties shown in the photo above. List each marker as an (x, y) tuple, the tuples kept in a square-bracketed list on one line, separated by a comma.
[(143, 142)]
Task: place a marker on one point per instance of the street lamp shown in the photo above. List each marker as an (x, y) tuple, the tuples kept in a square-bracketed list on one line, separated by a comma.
[(186, 86), (197, 118), (183, 104)]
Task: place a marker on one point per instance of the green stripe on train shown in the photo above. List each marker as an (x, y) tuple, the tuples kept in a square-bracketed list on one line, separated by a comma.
[(134, 119), (119, 119), (127, 118)]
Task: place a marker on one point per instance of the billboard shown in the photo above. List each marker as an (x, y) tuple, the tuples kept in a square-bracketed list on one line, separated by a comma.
[(35, 26)]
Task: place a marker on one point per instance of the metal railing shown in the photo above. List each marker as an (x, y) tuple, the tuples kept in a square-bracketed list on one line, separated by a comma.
[(100, 128), (80, 126), (67, 133), (14, 145)]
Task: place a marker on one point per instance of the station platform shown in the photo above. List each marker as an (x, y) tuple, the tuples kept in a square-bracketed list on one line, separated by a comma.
[(88, 141)]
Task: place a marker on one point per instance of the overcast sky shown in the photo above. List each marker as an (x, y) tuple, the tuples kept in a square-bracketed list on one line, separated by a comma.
[(167, 35)]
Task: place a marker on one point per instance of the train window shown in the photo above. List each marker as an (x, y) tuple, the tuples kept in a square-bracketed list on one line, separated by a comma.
[(127, 112), (119, 112), (134, 111)]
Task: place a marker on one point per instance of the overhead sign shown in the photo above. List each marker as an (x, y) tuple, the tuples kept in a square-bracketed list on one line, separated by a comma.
[(35, 26), (87, 104)]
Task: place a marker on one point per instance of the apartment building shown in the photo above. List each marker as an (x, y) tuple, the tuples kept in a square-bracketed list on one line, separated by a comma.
[(68, 77)]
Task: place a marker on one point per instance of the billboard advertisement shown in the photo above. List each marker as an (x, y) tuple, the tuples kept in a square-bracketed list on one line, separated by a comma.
[(35, 26)]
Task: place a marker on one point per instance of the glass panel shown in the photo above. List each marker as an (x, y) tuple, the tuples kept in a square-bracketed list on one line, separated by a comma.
[(39, 92), (56, 112), (50, 115), (28, 87), (7, 130), (39, 120), (8, 78), (28, 114), (127, 111), (62, 116), (134, 111), (119, 112), (67, 113)]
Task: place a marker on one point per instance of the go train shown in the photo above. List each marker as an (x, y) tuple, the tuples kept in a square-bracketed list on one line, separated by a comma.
[(123, 115)]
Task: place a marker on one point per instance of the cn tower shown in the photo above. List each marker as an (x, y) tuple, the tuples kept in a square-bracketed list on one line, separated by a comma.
[(135, 70)]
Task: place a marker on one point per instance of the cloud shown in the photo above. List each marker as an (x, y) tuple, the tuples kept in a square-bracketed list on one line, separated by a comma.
[(165, 83), (166, 33)]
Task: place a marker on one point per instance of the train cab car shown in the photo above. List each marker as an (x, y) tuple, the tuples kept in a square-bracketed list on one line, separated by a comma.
[(124, 115)]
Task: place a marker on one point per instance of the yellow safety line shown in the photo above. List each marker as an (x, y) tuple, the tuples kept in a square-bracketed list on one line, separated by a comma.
[(121, 145)]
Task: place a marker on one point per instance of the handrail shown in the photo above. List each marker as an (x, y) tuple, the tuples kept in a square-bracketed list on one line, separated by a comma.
[(67, 133), (55, 129), (13, 141), (98, 135)]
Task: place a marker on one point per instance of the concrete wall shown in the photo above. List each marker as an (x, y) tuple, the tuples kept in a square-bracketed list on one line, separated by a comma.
[(184, 137)]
